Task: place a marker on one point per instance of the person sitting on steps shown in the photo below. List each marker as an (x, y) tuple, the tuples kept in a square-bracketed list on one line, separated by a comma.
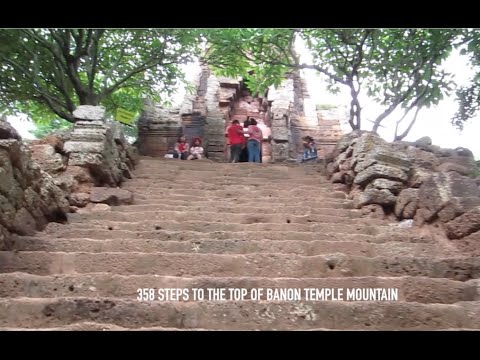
[(196, 151), (309, 148), (181, 148)]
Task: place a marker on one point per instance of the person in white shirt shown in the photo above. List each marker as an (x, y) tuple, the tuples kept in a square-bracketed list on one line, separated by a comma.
[(196, 150), (254, 142)]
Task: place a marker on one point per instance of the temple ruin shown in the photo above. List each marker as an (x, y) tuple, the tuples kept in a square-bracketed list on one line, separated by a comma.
[(285, 115)]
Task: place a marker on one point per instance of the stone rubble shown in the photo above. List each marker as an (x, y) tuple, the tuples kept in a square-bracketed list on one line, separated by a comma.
[(410, 180)]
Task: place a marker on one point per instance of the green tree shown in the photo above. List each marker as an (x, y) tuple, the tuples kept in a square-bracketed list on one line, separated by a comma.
[(44, 129), (468, 97), (407, 74), (47, 73), (394, 67)]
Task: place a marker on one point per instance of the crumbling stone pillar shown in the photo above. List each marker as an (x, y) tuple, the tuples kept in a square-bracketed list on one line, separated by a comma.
[(282, 102), (329, 128), (294, 115), (92, 146)]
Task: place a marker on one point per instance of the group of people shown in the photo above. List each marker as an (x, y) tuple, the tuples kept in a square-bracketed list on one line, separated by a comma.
[(245, 142), (184, 152)]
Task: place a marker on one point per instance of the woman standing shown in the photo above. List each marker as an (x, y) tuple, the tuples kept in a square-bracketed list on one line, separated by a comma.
[(244, 153), (254, 141)]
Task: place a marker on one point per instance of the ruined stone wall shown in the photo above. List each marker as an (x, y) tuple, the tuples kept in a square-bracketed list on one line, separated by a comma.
[(245, 105), (285, 115), (220, 100), (282, 103), (294, 115), (215, 121), (329, 130), (303, 120), (410, 180), (204, 113), (193, 110), (29, 198), (158, 130)]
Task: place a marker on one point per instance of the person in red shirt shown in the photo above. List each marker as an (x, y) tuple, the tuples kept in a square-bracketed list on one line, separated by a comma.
[(226, 149), (236, 140), (181, 148)]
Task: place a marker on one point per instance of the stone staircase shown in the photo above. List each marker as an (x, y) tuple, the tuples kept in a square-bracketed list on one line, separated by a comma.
[(210, 225)]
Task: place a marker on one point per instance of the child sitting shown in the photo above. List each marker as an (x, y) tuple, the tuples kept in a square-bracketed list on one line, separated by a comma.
[(196, 151), (310, 148), (181, 148)]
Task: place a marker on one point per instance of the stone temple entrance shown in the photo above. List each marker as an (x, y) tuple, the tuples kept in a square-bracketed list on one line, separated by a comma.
[(243, 105), (285, 114)]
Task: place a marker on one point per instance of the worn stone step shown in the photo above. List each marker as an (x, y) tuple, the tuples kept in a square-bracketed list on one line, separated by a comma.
[(219, 189), (222, 168), (228, 185), (226, 265), (251, 315), (226, 169), (208, 166), (234, 197), (241, 176), (206, 226), (56, 231), (227, 182), (95, 326), (221, 176), (412, 289), (207, 246), (261, 195), (218, 217), (185, 200), (238, 209), (212, 166)]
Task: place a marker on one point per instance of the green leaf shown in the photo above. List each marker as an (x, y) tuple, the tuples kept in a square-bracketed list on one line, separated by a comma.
[(117, 68)]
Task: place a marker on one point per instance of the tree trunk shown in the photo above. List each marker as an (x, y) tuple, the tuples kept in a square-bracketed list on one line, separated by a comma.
[(407, 130), (89, 98), (355, 109)]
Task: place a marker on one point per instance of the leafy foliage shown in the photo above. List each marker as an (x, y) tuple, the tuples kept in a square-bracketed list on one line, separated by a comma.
[(469, 101), (47, 128), (395, 67), (468, 97), (260, 56), (325, 107), (48, 72), (407, 71)]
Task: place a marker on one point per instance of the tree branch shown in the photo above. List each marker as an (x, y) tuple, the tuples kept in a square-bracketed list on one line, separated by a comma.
[(399, 99), (47, 45), (126, 77), (59, 82), (56, 110), (407, 130), (94, 52), (313, 67), (63, 41), (291, 46), (48, 99), (113, 68), (331, 48)]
